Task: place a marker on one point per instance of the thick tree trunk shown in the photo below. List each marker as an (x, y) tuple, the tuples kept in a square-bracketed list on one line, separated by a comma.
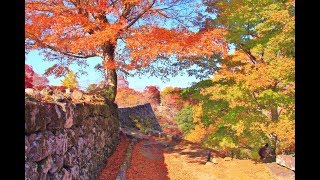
[(110, 72)]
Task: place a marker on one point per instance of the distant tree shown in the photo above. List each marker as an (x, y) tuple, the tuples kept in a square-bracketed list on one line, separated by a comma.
[(70, 81), (152, 93), (28, 76), (39, 80), (91, 87), (199, 132), (129, 97), (122, 82), (171, 97)]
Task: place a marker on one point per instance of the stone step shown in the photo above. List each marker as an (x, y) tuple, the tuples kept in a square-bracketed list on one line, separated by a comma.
[(144, 135)]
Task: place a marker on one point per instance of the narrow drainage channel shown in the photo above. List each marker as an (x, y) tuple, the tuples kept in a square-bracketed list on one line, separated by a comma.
[(126, 162), (114, 162)]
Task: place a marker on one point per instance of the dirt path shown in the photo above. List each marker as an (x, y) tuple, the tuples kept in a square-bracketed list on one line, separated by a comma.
[(189, 162), (158, 159), (147, 162)]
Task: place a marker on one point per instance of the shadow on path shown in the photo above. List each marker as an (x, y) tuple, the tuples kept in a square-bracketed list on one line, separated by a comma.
[(147, 162)]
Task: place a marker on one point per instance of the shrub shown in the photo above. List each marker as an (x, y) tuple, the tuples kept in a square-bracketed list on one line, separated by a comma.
[(184, 119)]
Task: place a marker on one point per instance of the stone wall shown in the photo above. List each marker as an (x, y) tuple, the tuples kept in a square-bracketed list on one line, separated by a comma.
[(68, 141), (287, 161), (139, 117)]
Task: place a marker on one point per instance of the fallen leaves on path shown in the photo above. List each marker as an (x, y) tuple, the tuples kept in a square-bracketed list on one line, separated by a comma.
[(147, 163), (153, 160), (114, 161)]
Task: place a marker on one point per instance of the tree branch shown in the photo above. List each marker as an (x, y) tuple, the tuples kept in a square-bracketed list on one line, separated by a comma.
[(140, 15), (58, 50), (253, 59), (127, 9), (246, 147)]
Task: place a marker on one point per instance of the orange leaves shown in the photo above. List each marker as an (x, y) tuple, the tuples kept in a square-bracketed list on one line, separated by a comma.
[(197, 135), (131, 1), (127, 97), (66, 27), (148, 43), (115, 160), (110, 64), (147, 163), (80, 29)]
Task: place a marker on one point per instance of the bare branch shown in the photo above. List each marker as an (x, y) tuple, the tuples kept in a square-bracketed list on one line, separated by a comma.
[(140, 15)]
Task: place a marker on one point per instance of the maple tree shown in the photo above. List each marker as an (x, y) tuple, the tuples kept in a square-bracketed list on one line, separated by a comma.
[(127, 97), (170, 97), (126, 34), (122, 82), (33, 79), (152, 93), (250, 99), (39, 80), (28, 76), (70, 80)]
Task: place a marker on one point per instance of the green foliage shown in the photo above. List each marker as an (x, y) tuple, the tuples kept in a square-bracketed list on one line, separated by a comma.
[(184, 119), (271, 98), (264, 27), (252, 94), (70, 81), (194, 91)]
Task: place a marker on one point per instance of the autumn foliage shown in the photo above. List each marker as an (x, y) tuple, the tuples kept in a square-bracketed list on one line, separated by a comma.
[(171, 97), (39, 80), (153, 94), (127, 97), (250, 100), (127, 35), (70, 80), (33, 79), (28, 76)]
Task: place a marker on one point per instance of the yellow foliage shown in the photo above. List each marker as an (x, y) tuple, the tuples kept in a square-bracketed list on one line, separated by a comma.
[(225, 142), (285, 131), (239, 127), (70, 80), (197, 135), (200, 132)]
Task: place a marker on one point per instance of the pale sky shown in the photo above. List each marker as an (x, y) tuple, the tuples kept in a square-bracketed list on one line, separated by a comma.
[(137, 83)]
